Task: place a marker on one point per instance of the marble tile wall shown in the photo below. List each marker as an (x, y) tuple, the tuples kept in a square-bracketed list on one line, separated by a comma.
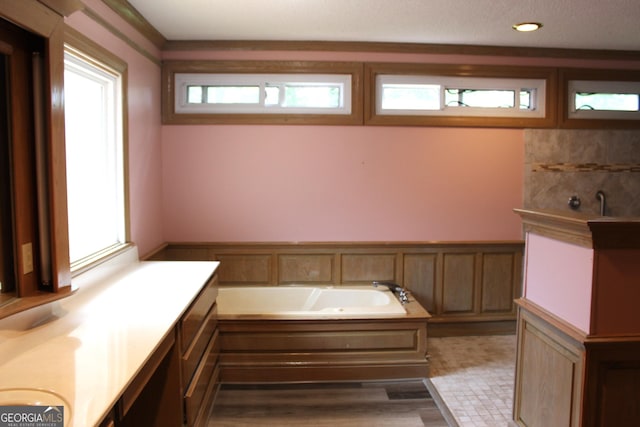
[(562, 163)]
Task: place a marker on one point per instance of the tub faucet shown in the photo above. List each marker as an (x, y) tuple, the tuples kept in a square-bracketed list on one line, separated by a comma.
[(402, 293), (603, 201)]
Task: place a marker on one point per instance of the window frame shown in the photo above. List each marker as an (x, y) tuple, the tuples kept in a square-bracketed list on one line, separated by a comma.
[(170, 69), (261, 82), (101, 58), (454, 72), (599, 119), (444, 83)]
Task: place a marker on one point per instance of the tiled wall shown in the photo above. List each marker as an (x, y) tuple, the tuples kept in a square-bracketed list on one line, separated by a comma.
[(563, 163)]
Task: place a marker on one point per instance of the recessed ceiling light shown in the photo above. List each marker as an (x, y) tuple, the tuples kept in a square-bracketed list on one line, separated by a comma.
[(527, 26)]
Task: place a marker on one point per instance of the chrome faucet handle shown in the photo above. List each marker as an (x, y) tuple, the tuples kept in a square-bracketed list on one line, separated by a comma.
[(402, 293)]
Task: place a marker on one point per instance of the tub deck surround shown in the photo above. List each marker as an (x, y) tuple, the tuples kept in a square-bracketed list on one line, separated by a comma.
[(307, 347), (90, 346), (578, 327)]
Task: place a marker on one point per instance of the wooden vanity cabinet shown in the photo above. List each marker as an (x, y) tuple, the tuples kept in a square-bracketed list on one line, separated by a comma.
[(177, 385), (153, 397), (199, 350), (578, 348)]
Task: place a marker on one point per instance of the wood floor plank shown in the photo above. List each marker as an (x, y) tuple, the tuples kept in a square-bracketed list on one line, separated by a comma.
[(406, 404)]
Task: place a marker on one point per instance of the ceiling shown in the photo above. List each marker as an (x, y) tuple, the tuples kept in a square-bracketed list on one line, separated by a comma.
[(572, 24)]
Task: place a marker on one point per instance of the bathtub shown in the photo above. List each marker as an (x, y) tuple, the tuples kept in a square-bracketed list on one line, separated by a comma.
[(305, 333), (308, 302)]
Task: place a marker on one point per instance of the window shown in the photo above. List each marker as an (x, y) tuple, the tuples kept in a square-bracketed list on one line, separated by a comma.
[(604, 99), (459, 96), (599, 98), (411, 94), (95, 157), (263, 93)]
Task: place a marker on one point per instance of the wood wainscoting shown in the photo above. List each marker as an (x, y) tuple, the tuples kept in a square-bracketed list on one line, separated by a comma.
[(565, 378), (467, 287), (268, 350)]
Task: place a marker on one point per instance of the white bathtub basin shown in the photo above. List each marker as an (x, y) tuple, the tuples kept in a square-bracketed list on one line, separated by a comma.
[(308, 301)]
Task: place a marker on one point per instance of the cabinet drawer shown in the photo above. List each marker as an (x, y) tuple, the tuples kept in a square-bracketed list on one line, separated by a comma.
[(197, 312), (193, 355), (202, 381)]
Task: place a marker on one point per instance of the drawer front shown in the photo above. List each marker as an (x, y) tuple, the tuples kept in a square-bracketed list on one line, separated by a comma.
[(202, 381), (197, 313), (191, 358)]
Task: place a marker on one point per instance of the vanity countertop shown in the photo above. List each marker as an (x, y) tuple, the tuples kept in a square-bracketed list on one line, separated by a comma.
[(90, 345)]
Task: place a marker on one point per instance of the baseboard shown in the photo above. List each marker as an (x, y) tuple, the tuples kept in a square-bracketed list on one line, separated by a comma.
[(455, 329)]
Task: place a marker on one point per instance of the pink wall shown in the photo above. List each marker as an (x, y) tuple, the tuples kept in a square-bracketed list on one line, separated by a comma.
[(329, 183), (145, 175), (311, 183), (558, 277)]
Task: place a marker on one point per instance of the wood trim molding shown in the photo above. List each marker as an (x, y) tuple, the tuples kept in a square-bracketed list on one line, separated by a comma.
[(583, 230), (569, 228), (119, 34), (558, 324), (63, 7), (394, 47), (130, 14)]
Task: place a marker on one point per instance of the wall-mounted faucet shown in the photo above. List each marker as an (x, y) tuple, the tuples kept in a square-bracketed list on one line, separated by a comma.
[(603, 202)]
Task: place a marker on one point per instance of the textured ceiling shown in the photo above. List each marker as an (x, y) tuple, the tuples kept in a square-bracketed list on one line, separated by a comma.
[(574, 24)]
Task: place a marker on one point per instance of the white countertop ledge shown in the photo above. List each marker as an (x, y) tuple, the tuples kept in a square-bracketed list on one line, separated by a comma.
[(88, 347)]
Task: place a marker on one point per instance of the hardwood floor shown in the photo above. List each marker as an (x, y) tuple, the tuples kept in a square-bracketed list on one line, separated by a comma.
[(371, 404)]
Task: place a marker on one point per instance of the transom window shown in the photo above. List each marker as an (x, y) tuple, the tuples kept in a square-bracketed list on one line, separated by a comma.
[(263, 93), (604, 99), (459, 96)]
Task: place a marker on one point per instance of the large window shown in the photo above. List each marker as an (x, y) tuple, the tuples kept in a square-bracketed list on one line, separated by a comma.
[(95, 157)]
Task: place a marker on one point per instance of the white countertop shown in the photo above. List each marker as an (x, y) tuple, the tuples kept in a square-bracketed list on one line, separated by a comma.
[(92, 343)]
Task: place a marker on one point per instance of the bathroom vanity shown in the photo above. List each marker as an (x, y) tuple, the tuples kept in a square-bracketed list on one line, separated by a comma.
[(135, 345), (578, 352)]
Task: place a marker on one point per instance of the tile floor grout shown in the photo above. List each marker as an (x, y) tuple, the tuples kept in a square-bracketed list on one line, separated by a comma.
[(474, 377)]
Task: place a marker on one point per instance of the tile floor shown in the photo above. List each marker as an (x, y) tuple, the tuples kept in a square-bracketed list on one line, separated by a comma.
[(474, 376)]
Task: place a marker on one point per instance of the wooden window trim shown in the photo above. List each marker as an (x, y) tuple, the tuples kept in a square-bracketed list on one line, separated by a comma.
[(93, 51), (170, 68), (33, 16), (374, 69), (568, 74)]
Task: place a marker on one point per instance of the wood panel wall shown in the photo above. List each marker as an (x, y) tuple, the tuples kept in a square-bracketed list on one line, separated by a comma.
[(460, 284), (566, 378)]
